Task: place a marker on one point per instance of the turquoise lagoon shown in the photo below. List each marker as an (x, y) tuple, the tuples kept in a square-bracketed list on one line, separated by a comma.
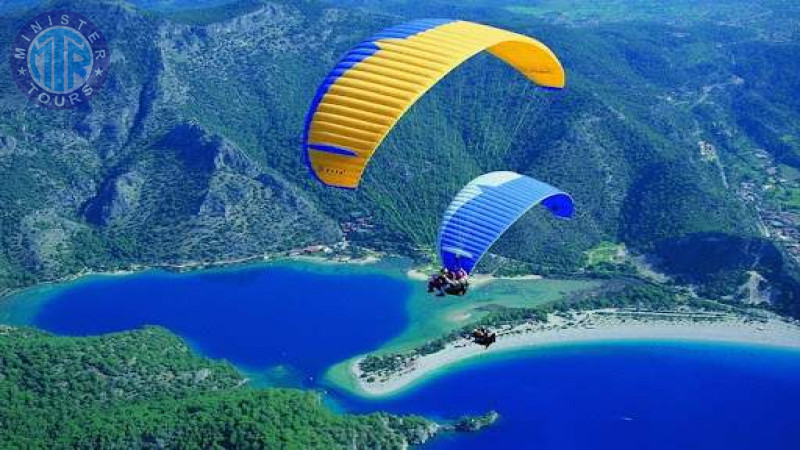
[(286, 323)]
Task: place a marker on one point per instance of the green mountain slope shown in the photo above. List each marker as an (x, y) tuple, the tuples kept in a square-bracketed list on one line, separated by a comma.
[(192, 152)]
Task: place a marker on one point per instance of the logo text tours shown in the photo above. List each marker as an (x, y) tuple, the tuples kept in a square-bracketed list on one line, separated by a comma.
[(60, 59)]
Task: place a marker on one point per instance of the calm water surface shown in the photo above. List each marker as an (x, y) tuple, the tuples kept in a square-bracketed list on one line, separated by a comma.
[(302, 320), (257, 318), (620, 396)]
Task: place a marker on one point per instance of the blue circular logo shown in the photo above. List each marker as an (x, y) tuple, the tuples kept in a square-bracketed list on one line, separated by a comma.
[(60, 59)]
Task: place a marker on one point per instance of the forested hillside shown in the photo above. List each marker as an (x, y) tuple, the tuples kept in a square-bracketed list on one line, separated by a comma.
[(144, 389), (678, 122)]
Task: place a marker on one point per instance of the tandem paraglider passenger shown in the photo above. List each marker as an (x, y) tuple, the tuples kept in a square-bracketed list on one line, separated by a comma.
[(449, 282), (437, 282)]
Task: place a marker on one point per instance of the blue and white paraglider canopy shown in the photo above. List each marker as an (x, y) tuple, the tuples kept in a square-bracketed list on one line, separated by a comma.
[(485, 208)]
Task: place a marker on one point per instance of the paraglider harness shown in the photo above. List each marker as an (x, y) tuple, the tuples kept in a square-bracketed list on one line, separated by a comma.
[(459, 288), (483, 336), (439, 282)]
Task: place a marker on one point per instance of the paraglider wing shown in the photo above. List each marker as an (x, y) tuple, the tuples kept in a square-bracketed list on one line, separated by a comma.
[(376, 82), (485, 208)]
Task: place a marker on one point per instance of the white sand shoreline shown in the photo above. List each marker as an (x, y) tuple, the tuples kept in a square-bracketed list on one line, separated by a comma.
[(474, 280), (588, 327)]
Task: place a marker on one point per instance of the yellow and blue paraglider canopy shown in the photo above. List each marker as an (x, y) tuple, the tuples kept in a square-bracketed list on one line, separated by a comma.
[(485, 208), (378, 80)]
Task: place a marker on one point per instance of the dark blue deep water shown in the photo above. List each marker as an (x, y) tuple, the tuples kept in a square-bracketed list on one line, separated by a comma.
[(616, 396), (256, 317), (620, 396)]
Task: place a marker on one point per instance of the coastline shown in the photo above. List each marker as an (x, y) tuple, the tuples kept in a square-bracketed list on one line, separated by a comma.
[(19, 306), (476, 280), (581, 327), (322, 258), (585, 327), (192, 266)]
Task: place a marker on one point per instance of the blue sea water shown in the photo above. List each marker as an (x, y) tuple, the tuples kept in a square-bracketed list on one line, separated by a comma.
[(256, 318), (644, 395), (619, 396)]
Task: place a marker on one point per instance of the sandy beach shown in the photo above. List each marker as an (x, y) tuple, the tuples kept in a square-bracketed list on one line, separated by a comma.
[(591, 326), (474, 280)]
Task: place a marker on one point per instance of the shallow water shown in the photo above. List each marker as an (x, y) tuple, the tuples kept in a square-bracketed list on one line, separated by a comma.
[(287, 324)]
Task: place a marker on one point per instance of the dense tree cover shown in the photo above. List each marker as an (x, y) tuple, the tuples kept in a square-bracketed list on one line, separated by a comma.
[(597, 140), (116, 184), (193, 150), (719, 264), (642, 296), (145, 389), (665, 203)]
